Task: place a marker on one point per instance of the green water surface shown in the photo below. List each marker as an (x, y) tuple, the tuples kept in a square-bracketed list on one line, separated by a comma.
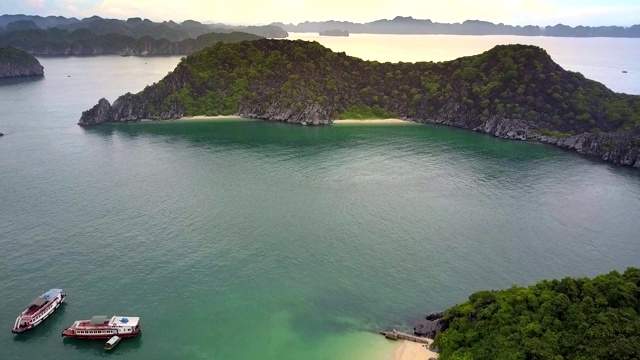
[(243, 239)]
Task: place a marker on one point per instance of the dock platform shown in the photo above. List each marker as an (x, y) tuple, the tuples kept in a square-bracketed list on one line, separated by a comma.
[(397, 335)]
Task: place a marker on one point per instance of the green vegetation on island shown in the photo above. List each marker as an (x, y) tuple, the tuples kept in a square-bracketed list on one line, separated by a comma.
[(570, 319), (17, 63), (511, 91)]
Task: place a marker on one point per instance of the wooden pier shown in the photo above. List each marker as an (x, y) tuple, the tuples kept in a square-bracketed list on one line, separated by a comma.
[(395, 335)]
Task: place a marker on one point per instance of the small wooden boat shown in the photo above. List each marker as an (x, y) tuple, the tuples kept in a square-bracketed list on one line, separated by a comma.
[(111, 343), (38, 310)]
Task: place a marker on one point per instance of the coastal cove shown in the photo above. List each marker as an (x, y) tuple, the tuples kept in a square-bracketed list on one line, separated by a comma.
[(307, 239), (510, 91)]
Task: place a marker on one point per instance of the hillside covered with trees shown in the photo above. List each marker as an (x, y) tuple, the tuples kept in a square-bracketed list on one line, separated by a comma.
[(571, 319), (17, 63), (510, 91)]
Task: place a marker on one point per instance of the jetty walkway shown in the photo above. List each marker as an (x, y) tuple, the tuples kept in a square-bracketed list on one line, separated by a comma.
[(395, 335)]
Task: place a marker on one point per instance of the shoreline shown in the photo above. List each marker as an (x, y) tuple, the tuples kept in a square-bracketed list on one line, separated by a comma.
[(408, 350), (340, 121), (216, 117), (372, 121)]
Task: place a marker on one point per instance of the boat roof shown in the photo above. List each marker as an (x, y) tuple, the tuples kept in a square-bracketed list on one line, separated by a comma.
[(51, 294), (42, 299), (124, 321), (98, 320), (113, 340), (39, 301)]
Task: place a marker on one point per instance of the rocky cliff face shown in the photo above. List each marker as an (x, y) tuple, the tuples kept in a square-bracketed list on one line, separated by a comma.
[(17, 63), (431, 325), (620, 147)]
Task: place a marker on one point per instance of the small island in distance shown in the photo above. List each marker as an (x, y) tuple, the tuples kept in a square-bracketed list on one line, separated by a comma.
[(334, 32), (17, 63), (410, 26)]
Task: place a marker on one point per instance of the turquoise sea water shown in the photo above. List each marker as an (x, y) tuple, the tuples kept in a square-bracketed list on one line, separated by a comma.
[(242, 239)]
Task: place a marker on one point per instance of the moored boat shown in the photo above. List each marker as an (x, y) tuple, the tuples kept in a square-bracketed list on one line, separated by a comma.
[(38, 310), (111, 343), (103, 328)]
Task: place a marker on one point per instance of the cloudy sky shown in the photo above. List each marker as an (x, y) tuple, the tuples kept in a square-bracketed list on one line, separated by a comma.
[(515, 12)]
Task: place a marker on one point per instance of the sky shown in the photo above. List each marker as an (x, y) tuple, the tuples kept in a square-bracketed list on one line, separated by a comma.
[(513, 12)]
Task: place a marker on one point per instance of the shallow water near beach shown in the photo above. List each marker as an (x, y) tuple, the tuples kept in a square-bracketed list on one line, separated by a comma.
[(243, 239)]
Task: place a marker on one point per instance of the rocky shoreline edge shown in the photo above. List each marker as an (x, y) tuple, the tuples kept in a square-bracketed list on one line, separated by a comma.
[(621, 148), (15, 63), (424, 332)]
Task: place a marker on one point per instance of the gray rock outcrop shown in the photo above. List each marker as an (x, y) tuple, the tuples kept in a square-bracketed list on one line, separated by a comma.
[(17, 63), (622, 147), (432, 325)]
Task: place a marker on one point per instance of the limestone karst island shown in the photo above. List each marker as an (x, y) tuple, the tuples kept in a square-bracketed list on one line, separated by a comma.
[(16, 63), (510, 91)]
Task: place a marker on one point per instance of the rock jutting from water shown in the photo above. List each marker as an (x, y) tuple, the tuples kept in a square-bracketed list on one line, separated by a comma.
[(17, 63), (432, 324), (511, 91)]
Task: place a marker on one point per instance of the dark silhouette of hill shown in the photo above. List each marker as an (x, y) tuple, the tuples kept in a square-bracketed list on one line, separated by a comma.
[(133, 27), (409, 25)]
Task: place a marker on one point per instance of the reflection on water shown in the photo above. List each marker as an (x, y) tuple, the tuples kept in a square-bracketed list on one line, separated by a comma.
[(20, 80), (96, 347)]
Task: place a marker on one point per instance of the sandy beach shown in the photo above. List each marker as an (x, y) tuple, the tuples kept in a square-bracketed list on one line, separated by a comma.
[(408, 350), (218, 117), (345, 121), (370, 121)]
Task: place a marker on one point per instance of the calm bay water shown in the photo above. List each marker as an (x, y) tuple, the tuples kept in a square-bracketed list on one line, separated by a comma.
[(243, 239)]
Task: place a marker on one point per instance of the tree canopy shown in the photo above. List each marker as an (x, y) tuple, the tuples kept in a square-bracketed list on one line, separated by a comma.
[(568, 319)]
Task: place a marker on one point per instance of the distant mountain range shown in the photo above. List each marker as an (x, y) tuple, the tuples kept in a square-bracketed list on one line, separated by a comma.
[(133, 27), (409, 25)]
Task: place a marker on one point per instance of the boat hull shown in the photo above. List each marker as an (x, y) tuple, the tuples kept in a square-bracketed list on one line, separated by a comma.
[(20, 330), (71, 335)]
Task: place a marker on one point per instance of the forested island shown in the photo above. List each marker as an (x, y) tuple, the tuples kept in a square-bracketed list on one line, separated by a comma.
[(334, 32), (56, 42), (510, 91), (17, 63), (409, 25), (571, 319)]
